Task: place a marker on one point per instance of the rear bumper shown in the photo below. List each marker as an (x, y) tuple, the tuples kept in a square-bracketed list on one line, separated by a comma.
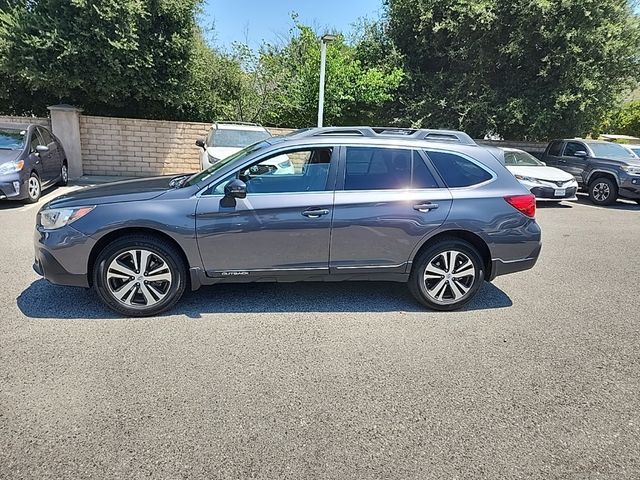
[(504, 267), (500, 267)]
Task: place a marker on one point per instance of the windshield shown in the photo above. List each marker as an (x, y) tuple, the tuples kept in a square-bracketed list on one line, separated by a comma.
[(610, 150), (235, 138), (205, 174), (521, 159), (11, 139)]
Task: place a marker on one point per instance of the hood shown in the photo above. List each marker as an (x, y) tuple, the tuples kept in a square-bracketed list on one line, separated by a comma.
[(541, 172), (222, 152), (9, 155), (634, 162), (125, 191)]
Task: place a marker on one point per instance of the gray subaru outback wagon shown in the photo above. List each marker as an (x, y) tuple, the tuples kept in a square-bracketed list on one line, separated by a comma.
[(427, 207)]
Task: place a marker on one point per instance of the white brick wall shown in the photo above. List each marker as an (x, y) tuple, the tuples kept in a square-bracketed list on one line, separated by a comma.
[(134, 147)]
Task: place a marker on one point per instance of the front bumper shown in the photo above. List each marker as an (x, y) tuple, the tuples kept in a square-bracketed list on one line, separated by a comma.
[(12, 187), (61, 256), (549, 194), (630, 186)]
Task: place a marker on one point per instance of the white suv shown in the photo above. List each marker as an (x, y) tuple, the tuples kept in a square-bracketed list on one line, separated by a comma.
[(226, 138)]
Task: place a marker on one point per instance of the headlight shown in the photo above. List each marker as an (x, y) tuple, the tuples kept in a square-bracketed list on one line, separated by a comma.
[(527, 179), (631, 170), (11, 167), (54, 218)]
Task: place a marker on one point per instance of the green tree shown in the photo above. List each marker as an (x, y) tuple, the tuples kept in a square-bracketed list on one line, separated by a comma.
[(126, 57), (625, 120), (518, 68), (354, 93)]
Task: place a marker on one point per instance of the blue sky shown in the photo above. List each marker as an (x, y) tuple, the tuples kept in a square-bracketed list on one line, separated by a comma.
[(269, 20)]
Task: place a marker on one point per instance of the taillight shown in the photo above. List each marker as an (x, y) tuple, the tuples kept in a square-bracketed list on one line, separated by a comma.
[(525, 204)]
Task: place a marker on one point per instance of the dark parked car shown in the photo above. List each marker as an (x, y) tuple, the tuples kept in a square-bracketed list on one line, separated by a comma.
[(31, 159), (605, 170), (426, 207)]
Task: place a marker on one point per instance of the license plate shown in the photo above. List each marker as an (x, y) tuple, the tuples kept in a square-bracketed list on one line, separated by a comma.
[(560, 192)]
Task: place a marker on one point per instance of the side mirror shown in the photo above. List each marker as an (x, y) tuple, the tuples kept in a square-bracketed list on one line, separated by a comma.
[(544, 163), (42, 149), (580, 153), (200, 142), (235, 189)]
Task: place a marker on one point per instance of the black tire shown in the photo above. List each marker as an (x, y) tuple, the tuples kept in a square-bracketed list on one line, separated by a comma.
[(33, 193), (603, 191), (160, 251), (418, 285), (64, 175)]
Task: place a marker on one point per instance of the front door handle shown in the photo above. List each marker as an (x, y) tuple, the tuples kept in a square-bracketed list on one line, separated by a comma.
[(315, 213), (425, 207)]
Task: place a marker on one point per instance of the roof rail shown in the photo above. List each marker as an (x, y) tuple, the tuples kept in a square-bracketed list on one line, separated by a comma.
[(436, 135), (229, 122)]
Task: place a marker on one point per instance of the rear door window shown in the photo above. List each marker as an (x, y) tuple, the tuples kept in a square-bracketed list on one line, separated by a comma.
[(377, 168), (555, 148), (457, 171)]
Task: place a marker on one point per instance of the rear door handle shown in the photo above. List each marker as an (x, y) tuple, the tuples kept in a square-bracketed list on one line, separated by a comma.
[(425, 207), (315, 213)]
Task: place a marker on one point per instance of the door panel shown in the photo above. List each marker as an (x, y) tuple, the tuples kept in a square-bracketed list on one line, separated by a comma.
[(380, 229), (275, 232), (572, 164), (283, 224)]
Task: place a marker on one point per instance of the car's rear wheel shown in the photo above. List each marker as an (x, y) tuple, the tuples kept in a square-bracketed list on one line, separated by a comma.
[(34, 188), (447, 275), (139, 276), (64, 174), (603, 191)]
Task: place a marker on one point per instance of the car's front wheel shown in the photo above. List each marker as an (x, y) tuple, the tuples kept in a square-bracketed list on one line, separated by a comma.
[(603, 191), (140, 276), (447, 275), (34, 188)]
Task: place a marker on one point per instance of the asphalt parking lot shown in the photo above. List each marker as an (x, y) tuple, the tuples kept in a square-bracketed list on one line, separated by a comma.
[(538, 377)]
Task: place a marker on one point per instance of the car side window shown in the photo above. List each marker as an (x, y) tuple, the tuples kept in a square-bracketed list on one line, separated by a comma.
[(555, 148), (573, 147), (294, 171), (377, 168), (457, 171), (45, 135)]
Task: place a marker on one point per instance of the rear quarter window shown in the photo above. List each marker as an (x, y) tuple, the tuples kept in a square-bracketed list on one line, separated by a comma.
[(457, 171)]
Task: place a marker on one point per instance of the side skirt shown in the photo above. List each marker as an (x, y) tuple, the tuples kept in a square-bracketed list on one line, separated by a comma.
[(200, 278)]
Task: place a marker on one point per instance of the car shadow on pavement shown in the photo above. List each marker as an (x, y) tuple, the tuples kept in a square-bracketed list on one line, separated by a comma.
[(44, 300), (549, 205)]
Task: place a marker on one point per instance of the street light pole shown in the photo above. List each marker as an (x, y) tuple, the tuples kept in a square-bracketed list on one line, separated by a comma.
[(326, 38)]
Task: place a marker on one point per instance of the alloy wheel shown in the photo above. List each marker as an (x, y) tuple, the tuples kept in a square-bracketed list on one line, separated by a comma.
[(33, 187), (449, 276), (139, 278), (601, 191)]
